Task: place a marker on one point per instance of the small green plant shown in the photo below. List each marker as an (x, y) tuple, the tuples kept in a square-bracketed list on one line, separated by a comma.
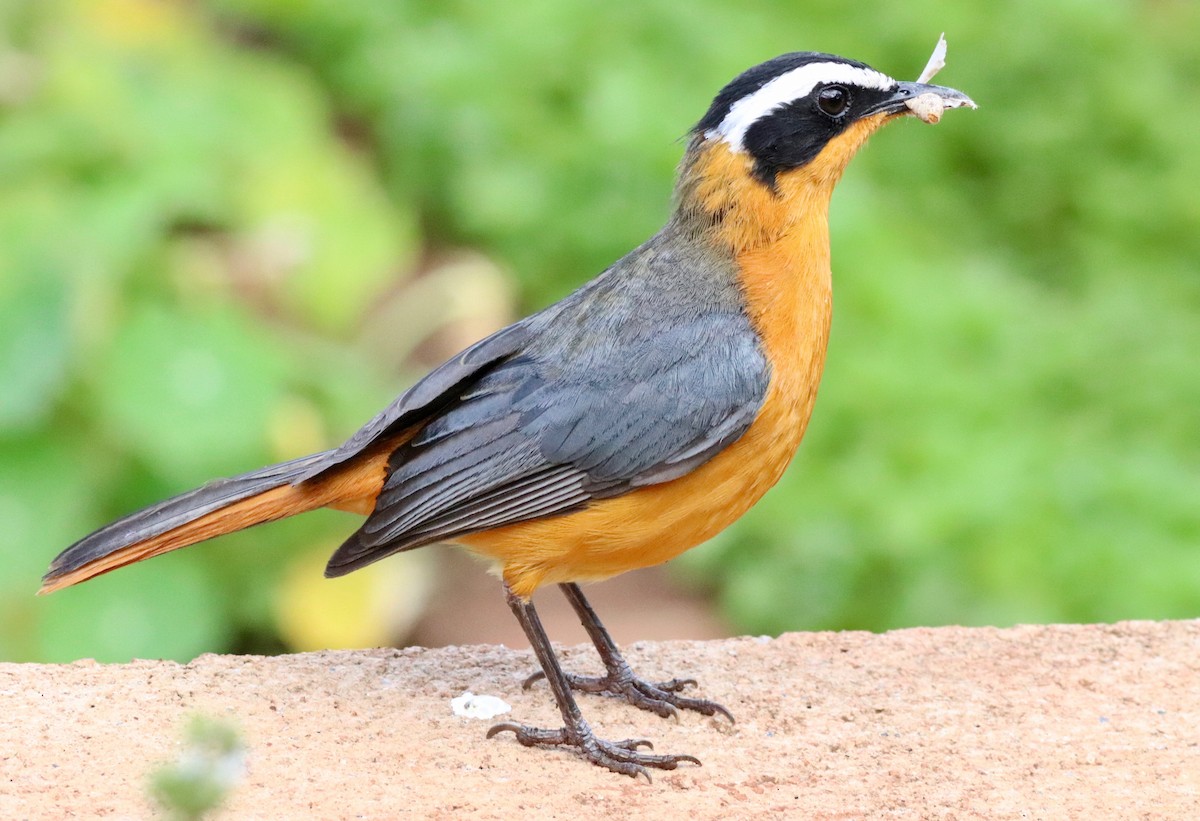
[(210, 765)]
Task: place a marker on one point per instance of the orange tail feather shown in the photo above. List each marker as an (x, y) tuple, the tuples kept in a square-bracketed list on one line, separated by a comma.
[(221, 507)]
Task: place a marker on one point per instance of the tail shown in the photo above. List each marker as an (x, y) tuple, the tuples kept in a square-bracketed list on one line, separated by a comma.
[(220, 507)]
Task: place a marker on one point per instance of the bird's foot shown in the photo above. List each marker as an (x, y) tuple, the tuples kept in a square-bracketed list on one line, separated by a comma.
[(662, 698), (619, 756)]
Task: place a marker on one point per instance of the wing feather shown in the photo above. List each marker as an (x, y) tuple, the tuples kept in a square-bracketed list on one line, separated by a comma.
[(605, 392)]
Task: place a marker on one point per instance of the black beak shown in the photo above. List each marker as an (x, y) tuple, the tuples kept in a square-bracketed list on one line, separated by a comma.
[(897, 101)]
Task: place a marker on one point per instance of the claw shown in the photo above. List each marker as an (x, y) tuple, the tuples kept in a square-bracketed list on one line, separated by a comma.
[(624, 757), (502, 727), (529, 736), (717, 708), (661, 698)]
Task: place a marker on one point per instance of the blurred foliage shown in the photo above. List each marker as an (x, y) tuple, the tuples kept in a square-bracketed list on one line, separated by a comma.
[(210, 765), (217, 220)]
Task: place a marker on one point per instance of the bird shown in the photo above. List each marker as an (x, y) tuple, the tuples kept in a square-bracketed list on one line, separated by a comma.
[(620, 426)]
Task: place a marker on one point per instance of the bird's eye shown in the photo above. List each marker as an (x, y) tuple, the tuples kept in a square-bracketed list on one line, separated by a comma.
[(833, 100)]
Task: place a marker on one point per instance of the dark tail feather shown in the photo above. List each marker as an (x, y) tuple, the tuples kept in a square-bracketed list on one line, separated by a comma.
[(219, 507)]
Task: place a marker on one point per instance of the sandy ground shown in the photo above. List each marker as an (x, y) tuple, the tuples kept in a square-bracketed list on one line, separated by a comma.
[(1033, 722)]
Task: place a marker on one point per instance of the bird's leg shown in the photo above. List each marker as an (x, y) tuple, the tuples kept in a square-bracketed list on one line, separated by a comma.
[(618, 756), (622, 756), (662, 697)]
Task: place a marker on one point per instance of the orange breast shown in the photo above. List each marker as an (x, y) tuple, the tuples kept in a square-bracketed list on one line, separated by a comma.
[(787, 286)]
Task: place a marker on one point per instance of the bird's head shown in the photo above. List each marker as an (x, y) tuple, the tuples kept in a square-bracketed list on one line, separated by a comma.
[(786, 129)]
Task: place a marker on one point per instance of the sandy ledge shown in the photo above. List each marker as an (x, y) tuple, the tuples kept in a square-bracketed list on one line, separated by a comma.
[(1095, 721)]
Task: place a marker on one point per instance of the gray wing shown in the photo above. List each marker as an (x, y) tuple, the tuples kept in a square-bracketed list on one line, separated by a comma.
[(598, 411)]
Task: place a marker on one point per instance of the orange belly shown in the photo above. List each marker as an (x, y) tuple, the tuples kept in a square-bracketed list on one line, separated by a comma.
[(653, 524)]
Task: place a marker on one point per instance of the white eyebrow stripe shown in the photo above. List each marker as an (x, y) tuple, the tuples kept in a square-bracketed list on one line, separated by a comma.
[(788, 87)]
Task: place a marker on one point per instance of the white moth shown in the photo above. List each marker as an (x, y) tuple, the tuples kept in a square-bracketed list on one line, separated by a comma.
[(937, 60), (929, 107)]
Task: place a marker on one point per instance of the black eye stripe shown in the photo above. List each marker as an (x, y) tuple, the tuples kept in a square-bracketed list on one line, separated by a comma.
[(783, 112), (837, 70)]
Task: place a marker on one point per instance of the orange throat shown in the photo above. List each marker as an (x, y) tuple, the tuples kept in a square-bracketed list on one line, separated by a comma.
[(780, 242)]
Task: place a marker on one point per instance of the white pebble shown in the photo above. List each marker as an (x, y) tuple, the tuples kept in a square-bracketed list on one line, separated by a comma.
[(469, 705)]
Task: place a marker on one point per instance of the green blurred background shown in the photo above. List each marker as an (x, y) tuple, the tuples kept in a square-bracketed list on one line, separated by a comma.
[(231, 231)]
